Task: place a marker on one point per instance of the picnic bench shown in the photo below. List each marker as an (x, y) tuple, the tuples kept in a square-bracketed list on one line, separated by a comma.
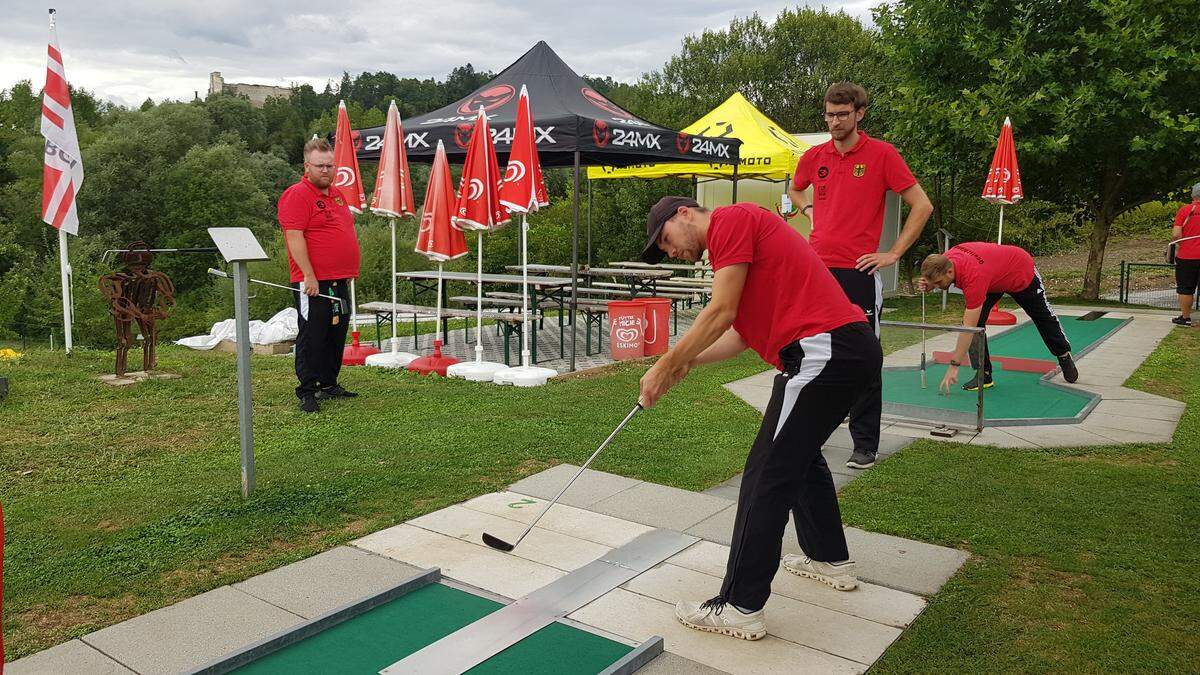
[(593, 315), (386, 312)]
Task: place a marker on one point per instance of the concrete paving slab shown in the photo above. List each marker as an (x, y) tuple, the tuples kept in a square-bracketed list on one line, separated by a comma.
[(191, 633), (326, 581), (996, 436), (890, 444), (729, 492), (638, 617), (1148, 425), (841, 480), (568, 520), (674, 664), (547, 547), (717, 527), (1058, 435), (661, 506), (840, 439), (807, 624), (1169, 412), (69, 657), (869, 601), (475, 564), (903, 564), (592, 486)]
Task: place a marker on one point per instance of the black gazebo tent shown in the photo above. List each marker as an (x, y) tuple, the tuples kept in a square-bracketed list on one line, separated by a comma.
[(575, 125)]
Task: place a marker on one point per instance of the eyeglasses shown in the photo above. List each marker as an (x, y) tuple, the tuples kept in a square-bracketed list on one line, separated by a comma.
[(321, 167), (840, 116)]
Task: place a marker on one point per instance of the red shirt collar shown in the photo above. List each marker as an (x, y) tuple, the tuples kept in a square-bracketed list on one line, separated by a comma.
[(862, 140)]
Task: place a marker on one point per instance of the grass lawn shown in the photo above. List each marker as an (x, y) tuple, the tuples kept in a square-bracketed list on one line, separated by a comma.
[(119, 501)]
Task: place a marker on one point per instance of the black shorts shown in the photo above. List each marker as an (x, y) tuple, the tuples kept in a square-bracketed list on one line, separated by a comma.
[(1187, 275)]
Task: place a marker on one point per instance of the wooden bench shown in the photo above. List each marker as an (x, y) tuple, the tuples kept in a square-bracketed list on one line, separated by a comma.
[(667, 288), (594, 312), (386, 312)]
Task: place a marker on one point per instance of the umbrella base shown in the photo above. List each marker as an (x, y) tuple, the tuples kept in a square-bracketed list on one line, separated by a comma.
[(525, 376), (356, 354), (434, 363), (476, 371), (999, 317), (391, 359)]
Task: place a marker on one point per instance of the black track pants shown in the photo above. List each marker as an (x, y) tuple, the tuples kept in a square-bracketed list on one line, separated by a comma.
[(866, 291), (785, 472), (320, 343), (1033, 301)]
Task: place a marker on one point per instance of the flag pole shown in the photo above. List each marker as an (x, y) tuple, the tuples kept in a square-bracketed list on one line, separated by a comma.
[(65, 268)]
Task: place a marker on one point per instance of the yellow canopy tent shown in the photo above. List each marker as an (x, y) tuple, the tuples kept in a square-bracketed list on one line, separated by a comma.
[(767, 152)]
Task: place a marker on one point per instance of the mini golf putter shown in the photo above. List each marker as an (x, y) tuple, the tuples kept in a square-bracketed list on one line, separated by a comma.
[(501, 545)]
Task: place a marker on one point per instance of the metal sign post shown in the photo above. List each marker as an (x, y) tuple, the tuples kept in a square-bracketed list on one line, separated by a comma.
[(238, 246)]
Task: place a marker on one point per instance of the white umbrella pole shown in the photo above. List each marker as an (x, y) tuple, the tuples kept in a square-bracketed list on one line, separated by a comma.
[(525, 290), (65, 268), (353, 310), (395, 347), (437, 320), (479, 302), (1000, 237)]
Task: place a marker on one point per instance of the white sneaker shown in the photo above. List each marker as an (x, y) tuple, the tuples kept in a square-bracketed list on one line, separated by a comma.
[(839, 576), (717, 616)]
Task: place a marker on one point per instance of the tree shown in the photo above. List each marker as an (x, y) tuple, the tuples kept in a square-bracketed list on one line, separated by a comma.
[(1101, 93), (235, 113), (783, 68)]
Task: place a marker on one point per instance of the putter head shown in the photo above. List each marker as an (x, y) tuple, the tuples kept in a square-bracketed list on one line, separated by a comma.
[(496, 543)]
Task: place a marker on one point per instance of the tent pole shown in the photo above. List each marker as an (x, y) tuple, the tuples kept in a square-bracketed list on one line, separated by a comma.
[(695, 188), (735, 179), (589, 224), (574, 260)]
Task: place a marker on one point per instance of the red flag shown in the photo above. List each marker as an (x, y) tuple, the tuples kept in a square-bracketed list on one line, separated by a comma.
[(479, 206), (1003, 185), (345, 162), (393, 184), (523, 189), (437, 239), (62, 173)]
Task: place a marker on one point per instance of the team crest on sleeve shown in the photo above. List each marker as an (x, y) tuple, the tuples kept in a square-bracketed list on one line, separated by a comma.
[(860, 170), (338, 201)]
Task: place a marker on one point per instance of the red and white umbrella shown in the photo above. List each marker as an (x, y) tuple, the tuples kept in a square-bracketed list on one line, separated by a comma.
[(393, 198), (479, 209), (524, 191), (1003, 186), (348, 181), (439, 241)]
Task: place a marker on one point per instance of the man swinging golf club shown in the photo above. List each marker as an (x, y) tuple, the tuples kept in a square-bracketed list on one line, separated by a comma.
[(771, 293), (985, 272)]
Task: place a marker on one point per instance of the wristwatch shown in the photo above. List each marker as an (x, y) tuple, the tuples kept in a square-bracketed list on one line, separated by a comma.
[(954, 363), (806, 206)]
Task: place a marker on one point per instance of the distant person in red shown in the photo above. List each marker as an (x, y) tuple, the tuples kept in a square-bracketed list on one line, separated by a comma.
[(771, 293), (1187, 256), (323, 256), (850, 176), (984, 273)]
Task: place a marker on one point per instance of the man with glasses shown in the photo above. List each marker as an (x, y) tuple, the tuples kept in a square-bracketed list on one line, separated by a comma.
[(850, 176), (323, 256)]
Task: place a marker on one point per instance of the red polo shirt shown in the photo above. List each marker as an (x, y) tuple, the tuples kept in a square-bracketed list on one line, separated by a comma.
[(789, 293), (328, 228), (848, 195), (1188, 218), (981, 268)]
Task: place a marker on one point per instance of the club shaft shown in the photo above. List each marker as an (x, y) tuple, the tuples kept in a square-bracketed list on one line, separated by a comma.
[(580, 472), (219, 273)]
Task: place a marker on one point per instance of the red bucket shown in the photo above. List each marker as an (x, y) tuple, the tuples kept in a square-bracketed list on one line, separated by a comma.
[(626, 329), (658, 325)]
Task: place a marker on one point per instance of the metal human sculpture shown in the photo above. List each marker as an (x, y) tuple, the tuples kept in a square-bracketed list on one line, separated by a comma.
[(139, 294)]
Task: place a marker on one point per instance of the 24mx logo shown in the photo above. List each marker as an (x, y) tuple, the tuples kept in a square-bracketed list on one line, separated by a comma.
[(637, 139), (704, 146)]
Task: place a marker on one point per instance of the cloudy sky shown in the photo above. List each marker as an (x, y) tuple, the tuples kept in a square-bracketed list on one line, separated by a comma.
[(126, 51)]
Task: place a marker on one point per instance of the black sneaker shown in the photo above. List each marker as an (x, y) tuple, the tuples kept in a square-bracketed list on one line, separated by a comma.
[(336, 391), (1069, 371), (1182, 320), (973, 385), (309, 404), (861, 459)]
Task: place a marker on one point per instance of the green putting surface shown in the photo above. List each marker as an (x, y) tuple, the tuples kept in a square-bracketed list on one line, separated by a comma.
[(1025, 342), (378, 638), (1015, 396)]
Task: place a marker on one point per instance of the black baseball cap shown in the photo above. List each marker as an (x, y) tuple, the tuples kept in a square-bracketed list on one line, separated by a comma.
[(660, 213)]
